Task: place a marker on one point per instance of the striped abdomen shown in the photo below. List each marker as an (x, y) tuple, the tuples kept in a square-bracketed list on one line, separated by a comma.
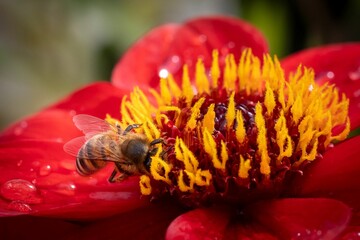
[(95, 153)]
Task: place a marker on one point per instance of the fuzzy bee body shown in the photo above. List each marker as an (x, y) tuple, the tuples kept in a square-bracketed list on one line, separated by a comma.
[(130, 152)]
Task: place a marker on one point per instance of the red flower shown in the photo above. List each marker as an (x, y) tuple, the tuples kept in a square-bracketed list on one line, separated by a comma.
[(41, 190)]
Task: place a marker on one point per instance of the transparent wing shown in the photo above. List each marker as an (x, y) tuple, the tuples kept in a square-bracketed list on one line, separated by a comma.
[(73, 146), (97, 150), (91, 125)]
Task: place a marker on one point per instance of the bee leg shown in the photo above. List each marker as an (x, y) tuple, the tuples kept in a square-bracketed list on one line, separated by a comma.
[(131, 127), (156, 141), (112, 176)]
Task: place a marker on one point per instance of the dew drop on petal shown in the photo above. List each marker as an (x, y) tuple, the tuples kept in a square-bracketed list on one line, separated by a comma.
[(202, 39), (19, 163), (67, 189), (72, 113), (171, 65), (355, 75), (45, 170), (68, 165), (20, 190), (19, 206), (231, 45)]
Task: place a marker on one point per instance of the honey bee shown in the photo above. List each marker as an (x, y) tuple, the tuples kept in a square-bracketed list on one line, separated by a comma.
[(104, 142)]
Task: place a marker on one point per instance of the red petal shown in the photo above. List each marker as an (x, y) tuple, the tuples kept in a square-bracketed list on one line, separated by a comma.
[(338, 64), (55, 123), (302, 218), (351, 233), (38, 177), (199, 224), (170, 46), (248, 231), (144, 223), (336, 175)]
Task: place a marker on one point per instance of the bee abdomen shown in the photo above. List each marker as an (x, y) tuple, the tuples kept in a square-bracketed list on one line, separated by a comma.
[(91, 156)]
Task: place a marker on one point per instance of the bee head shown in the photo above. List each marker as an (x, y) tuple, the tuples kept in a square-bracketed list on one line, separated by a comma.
[(135, 149)]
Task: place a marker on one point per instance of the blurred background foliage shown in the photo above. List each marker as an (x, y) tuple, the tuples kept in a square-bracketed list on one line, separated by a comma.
[(50, 48)]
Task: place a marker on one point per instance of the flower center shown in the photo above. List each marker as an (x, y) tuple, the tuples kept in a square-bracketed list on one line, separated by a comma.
[(237, 132)]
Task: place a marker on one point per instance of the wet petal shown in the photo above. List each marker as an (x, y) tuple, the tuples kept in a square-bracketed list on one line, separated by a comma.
[(338, 64), (336, 175), (38, 177), (199, 224), (144, 223), (168, 47), (299, 218), (55, 123), (41, 179)]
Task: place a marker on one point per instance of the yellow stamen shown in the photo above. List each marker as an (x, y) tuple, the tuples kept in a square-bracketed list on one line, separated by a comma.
[(202, 83), (262, 140), (145, 187), (211, 149), (230, 73), (186, 85), (230, 114), (174, 88), (269, 99), (159, 169), (240, 128), (186, 156), (195, 111), (165, 92), (282, 138), (244, 168), (215, 70), (209, 119)]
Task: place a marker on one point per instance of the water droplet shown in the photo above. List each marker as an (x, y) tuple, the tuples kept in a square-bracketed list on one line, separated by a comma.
[(163, 73), (20, 190), (171, 65), (19, 163), (202, 38), (357, 93), (67, 189), (20, 128), (330, 75), (72, 113), (355, 75), (231, 45), (319, 232), (19, 206), (45, 170)]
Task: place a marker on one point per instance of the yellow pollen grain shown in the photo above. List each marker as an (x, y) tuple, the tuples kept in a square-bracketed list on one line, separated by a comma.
[(145, 187), (269, 100), (215, 70), (186, 85), (201, 81), (209, 119), (240, 128), (244, 168), (230, 114), (195, 112), (262, 140)]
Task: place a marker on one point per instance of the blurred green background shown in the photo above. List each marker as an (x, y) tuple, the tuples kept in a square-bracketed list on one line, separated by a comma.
[(50, 48)]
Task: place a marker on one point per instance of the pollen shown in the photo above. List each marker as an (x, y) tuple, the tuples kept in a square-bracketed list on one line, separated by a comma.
[(234, 129)]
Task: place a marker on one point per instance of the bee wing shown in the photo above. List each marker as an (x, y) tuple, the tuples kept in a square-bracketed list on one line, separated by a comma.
[(100, 151), (73, 146), (91, 125)]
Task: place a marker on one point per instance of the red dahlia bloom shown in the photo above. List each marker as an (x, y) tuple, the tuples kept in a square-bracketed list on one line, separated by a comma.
[(248, 150)]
